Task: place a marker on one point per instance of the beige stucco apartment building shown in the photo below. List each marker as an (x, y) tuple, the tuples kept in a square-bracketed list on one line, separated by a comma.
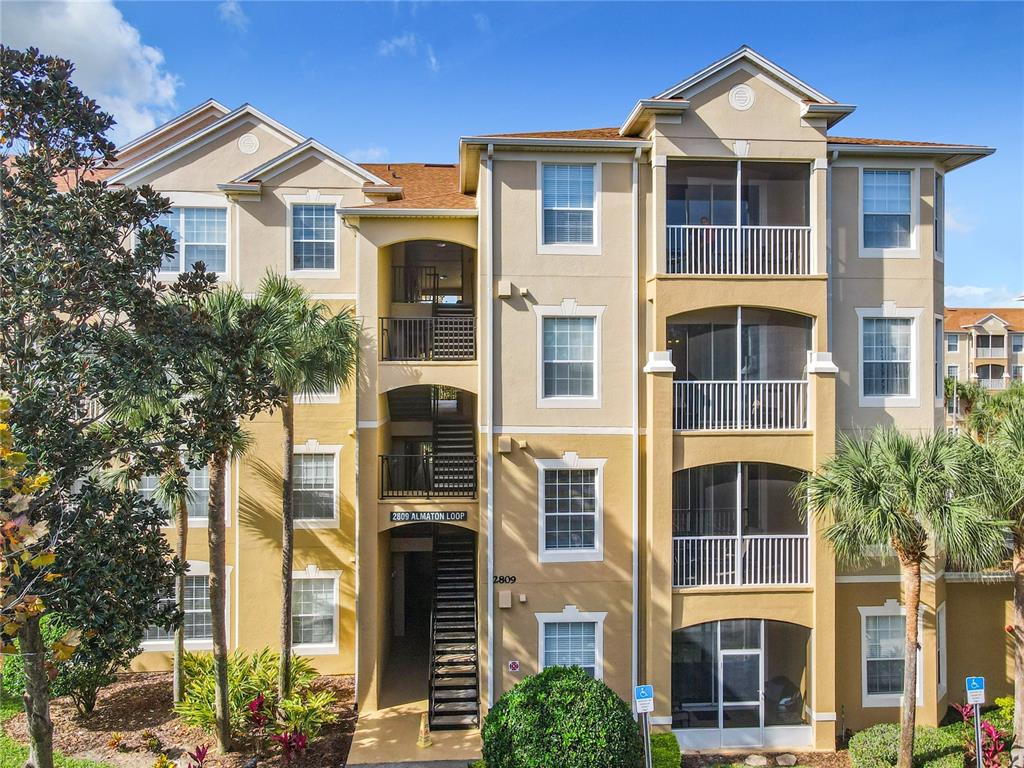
[(594, 364)]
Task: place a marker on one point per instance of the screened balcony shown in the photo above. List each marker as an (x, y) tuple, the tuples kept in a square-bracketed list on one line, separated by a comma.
[(989, 346), (738, 218), (740, 369), (992, 376), (737, 524)]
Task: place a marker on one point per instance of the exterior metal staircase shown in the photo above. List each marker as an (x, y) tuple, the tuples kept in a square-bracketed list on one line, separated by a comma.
[(454, 662)]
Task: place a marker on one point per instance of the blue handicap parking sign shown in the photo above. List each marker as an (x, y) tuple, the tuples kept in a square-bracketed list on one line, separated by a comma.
[(975, 683), (642, 692)]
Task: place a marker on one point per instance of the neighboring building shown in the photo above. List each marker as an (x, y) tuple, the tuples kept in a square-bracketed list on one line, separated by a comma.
[(984, 345), (595, 363)]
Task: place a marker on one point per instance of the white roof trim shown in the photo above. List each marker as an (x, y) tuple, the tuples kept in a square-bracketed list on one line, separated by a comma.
[(748, 53), (287, 159), (432, 213), (174, 122), (654, 106), (162, 158), (985, 319)]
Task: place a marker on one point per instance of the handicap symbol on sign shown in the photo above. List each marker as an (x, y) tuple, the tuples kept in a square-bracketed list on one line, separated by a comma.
[(975, 683), (643, 692)]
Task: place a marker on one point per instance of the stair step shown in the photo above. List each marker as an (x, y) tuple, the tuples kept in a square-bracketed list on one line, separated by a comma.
[(450, 636), (452, 605), (447, 659), (441, 722), (456, 694), (451, 707), (455, 647), (449, 681), (455, 670)]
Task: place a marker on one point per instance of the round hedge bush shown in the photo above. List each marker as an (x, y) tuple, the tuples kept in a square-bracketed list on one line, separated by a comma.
[(877, 747), (561, 718)]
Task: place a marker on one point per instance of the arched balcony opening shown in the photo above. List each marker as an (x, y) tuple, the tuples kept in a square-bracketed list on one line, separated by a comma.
[(430, 448), (740, 368), (427, 309), (738, 524), (741, 683), (992, 376)]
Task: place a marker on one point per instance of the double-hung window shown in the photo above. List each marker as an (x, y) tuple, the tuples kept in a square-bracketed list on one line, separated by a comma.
[(571, 644), (568, 203), (568, 356), (884, 638), (887, 352), (1018, 372), (314, 486), (953, 372), (952, 342), (313, 236), (570, 509), (198, 622), (313, 612), (1017, 342), (200, 235), (198, 501), (887, 208)]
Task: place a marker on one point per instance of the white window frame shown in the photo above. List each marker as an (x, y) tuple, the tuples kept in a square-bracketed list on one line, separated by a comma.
[(1015, 337), (911, 251), (570, 614), (196, 568), (938, 362), (314, 447), (939, 216), (312, 197), (571, 460), (941, 647), (574, 249), (320, 649), (318, 398), (889, 310), (568, 308), (955, 370), (874, 700), (201, 200), (955, 338), (1017, 372), (204, 521)]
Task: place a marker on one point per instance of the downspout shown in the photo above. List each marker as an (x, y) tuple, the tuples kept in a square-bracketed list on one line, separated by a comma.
[(829, 277), (635, 382), (489, 293)]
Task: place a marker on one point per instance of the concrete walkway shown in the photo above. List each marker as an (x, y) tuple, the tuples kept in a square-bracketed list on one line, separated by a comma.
[(387, 739)]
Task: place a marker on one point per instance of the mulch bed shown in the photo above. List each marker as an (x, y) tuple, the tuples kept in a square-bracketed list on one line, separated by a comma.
[(840, 759), (138, 707)]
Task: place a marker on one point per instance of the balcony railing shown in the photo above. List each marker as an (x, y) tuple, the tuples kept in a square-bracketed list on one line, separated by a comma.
[(428, 338), (746, 405), (990, 352), (429, 476), (999, 383), (745, 250), (764, 560)]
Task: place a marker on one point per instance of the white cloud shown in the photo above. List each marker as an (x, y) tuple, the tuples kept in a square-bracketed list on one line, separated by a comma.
[(958, 220), (981, 296), (482, 21), (408, 44), (371, 154), (405, 43), (231, 13), (112, 65)]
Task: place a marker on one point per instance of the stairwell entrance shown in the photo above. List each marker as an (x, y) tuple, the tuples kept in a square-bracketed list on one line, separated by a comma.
[(433, 654)]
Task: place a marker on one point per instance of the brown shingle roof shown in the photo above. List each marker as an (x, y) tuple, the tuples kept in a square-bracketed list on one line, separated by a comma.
[(424, 185), (583, 133), (955, 318), (894, 142)]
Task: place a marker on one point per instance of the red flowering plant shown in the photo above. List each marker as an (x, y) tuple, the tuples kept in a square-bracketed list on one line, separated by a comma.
[(993, 742), (293, 744), (261, 719), (197, 759)]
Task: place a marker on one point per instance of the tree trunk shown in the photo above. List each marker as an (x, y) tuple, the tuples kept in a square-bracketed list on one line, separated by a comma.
[(1017, 754), (908, 709), (215, 530), (37, 695), (180, 546), (287, 548)]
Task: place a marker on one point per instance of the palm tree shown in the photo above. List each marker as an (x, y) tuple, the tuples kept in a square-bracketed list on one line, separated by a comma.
[(905, 493), (318, 353), (992, 410)]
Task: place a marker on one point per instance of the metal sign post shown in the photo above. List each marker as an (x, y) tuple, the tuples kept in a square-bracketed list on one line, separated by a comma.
[(643, 701), (976, 696)]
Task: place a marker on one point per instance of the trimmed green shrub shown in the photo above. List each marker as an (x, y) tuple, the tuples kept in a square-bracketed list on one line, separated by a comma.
[(877, 747), (248, 677), (1002, 716), (665, 751), (307, 712), (561, 716)]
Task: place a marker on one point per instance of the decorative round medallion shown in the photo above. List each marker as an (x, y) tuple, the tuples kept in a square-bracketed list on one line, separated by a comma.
[(248, 144), (741, 97)]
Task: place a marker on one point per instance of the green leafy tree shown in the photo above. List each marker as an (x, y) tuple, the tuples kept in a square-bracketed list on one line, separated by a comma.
[(317, 353), (84, 325), (991, 411), (906, 494), (968, 395)]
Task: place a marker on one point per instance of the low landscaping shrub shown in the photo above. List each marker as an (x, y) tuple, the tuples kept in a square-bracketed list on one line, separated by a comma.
[(665, 751), (877, 747), (249, 677), (1002, 716), (562, 714)]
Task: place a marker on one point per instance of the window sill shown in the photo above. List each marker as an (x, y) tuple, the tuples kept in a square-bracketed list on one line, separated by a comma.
[(873, 701), (569, 402), (315, 524), (330, 399), (571, 556), (315, 274), (319, 649), (568, 249), (889, 253), (167, 646), (890, 401)]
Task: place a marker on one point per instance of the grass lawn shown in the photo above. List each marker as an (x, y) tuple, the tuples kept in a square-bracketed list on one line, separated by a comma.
[(13, 754)]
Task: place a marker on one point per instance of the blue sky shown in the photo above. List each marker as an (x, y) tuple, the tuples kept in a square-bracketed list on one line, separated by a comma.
[(401, 81)]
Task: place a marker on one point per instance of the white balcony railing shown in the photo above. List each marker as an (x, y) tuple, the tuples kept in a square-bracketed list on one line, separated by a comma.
[(999, 383), (765, 560), (746, 405), (729, 250), (990, 352)]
